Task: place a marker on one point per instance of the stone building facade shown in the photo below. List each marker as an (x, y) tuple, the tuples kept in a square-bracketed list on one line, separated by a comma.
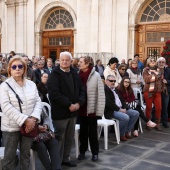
[(102, 28)]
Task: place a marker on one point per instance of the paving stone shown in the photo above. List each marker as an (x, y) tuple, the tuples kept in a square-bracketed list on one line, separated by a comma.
[(90, 166), (158, 156), (166, 147), (114, 160), (130, 150), (148, 143), (142, 165)]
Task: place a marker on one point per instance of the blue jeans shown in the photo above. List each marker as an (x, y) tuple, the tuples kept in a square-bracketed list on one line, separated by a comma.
[(126, 120), (164, 113)]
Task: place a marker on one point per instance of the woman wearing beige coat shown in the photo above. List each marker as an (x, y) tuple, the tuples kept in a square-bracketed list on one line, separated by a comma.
[(93, 107)]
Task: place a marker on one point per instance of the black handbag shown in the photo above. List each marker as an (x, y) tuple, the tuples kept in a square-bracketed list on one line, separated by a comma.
[(32, 133)]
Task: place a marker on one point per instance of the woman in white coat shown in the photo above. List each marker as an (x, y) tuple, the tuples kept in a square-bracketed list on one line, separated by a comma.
[(13, 119), (93, 107)]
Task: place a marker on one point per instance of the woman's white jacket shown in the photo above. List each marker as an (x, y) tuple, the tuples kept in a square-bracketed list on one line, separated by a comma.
[(95, 94), (12, 118)]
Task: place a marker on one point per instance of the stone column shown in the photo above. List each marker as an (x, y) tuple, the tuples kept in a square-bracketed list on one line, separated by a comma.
[(38, 44), (131, 41), (16, 25)]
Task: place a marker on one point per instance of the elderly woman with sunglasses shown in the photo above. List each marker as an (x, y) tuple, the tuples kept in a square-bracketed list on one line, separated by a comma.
[(153, 87), (165, 97), (135, 75), (13, 119)]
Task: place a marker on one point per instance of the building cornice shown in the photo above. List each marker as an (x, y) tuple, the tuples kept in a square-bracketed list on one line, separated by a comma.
[(12, 3)]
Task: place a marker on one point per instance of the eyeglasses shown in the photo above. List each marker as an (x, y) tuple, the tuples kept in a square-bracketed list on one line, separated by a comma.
[(112, 80), (152, 61), (20, 66), (128, 82), (40, 64)]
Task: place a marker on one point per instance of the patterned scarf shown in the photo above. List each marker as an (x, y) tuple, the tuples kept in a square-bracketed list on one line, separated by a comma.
[(153, 71)]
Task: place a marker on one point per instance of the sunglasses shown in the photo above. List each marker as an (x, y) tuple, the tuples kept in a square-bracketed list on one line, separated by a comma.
[(20, 66), (112, 80), (152, 61), (128, 82), (123, 69)]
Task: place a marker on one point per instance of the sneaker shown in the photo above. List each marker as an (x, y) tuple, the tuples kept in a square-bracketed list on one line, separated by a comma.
[(135, 133), (151, 124)]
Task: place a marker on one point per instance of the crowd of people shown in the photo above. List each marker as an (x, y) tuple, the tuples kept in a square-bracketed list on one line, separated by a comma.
[(79, 92)]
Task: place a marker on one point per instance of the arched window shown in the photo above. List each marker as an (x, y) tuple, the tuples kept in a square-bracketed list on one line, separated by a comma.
[(157, 10), (59, 19)]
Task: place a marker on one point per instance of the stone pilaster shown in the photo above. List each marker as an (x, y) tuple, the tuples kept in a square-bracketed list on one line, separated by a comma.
[(38, 45)]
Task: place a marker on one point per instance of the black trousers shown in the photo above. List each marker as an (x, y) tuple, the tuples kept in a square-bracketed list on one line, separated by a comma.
[(142, 115), (48, 153), (88, 130)]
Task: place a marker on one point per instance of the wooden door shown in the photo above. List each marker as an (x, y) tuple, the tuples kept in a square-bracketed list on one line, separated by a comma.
[(55, 42), (153, 50), (150, 39)]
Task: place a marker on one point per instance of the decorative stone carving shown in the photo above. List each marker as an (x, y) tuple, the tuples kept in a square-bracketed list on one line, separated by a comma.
[(165, 17)]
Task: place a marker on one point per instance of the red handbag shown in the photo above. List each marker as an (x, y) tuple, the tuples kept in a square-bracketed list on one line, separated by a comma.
[(34, 132), (31, 134)]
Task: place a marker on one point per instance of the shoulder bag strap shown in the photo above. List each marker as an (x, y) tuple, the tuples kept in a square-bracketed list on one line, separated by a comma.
[(19, 100)]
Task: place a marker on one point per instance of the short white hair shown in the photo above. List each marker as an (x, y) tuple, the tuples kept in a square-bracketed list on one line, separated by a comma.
[(66, 53), (160, 59)]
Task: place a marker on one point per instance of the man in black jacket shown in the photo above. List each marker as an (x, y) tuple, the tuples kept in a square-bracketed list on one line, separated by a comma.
[(117, 108), (66, 94), (40, 70)]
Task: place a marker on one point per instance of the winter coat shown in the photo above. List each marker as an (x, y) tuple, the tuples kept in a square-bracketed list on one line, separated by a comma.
[(12, 118), (109, 71), (60, 95), (95, 94), (134, 78)]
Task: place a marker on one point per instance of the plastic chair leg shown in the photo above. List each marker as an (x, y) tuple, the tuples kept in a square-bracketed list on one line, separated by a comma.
[(105, 137), (76, 138), (32, 157), (140, 125), (116, 133)]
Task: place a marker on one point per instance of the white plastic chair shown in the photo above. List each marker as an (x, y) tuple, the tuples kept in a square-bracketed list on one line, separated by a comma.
[(76, 138), (136, 91), (106, 123), (32, 152)]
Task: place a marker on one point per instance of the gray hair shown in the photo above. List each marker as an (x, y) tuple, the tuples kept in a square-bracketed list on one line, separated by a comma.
[(66, 53), (109, 76), (160, 59)]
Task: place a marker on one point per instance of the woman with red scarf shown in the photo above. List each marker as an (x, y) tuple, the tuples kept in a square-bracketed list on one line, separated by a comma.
[(93, 107)]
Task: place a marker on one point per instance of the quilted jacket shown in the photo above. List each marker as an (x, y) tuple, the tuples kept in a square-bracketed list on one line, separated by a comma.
[(12, 118)]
